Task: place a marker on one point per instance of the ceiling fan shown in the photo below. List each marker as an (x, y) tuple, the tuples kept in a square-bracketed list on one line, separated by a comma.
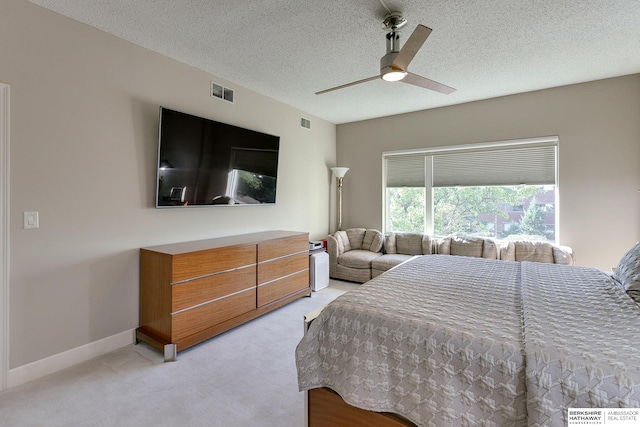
[(393, 65)]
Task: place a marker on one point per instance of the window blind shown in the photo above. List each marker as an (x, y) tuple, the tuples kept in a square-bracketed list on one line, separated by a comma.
[(406, 170), (532, 165)]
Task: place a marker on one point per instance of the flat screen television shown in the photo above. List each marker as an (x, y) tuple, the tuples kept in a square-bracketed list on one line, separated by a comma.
[(202, 162)]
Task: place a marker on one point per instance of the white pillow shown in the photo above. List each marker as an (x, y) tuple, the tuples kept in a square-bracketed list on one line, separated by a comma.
[(628, 272)]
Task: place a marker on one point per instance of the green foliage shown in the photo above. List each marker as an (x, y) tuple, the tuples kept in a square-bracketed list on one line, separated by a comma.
[(462, 210), (458, 210), (514, 229), (406, 209), (533, 219)]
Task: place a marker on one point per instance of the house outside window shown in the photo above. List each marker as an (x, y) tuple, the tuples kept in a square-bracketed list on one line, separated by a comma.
[(505, 190)]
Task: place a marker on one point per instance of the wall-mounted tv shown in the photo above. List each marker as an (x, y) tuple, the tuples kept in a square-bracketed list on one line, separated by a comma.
[(202, 162)]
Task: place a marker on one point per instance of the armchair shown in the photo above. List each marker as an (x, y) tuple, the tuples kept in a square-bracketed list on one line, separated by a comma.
[(351, 252)]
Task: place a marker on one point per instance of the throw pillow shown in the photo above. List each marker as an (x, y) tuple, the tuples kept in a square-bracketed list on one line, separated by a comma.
[(628, 272)]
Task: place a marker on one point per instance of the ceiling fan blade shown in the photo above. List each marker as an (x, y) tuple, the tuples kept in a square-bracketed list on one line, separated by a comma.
[(411, 47), (368, 79), (416, 80)]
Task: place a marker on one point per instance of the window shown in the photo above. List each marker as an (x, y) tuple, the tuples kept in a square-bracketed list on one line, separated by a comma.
[(501, 190)]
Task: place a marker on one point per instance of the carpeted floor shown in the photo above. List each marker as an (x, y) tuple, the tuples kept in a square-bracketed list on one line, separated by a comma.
[(245, 377)]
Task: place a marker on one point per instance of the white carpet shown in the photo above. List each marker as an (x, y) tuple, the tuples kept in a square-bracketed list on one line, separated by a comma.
[(245, 377)]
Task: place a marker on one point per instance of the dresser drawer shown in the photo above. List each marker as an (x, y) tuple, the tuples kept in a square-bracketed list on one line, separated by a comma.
[(197, 264), (282, 247), (277, 268), (190, 321), (275, 290), (198, 291)]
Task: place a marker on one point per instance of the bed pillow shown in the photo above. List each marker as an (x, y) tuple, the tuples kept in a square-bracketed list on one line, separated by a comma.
[(628, 272)]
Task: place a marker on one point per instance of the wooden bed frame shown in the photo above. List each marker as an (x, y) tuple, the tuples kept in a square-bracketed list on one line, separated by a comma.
[(325, 407)]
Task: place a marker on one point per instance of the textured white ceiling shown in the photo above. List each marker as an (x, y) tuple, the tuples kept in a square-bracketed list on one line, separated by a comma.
[(290, 49)]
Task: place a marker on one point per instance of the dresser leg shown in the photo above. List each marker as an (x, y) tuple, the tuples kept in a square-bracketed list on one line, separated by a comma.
[(170, 352)]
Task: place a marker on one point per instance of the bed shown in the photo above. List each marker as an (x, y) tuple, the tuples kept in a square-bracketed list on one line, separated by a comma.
[(445, 340)]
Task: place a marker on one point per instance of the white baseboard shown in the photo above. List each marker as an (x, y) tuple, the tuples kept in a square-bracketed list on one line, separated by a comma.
[(60, 361)]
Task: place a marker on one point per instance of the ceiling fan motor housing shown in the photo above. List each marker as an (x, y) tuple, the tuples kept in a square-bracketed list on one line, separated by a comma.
[(385, 64), (387, 72)]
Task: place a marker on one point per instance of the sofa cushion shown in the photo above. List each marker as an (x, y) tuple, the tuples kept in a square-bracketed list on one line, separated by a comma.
[(409, 243), (388, 261), (343, 241), (563, 255), (358, 258), (372, 240), (390, 243), (356, 237), (534, 251), (428, 244), (479, 247), (490, 249), (467, 246), (443, 246)]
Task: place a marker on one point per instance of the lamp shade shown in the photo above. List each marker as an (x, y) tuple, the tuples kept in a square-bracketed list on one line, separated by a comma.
[(339, 172)]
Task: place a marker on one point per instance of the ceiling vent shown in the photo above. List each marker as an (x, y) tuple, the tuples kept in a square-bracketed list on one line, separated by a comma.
[(219, 91), (305, 123)]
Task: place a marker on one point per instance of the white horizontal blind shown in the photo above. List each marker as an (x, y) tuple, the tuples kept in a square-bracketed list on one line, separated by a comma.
[(406, 170), (532, 164), (511, 166)]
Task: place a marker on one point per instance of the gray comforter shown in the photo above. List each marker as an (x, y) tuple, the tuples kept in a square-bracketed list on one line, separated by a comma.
[(445, 340)]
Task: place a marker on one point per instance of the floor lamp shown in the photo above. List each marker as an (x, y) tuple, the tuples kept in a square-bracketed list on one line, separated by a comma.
[(339, 173)]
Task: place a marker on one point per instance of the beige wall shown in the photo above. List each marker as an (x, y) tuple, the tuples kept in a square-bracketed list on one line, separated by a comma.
[(84, 117), (599, 156)]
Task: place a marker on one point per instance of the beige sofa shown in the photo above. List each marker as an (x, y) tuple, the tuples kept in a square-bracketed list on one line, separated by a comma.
[(360, 254)]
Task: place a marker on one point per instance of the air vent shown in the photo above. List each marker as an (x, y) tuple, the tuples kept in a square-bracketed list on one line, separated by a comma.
[(305, 123), (219, 91)]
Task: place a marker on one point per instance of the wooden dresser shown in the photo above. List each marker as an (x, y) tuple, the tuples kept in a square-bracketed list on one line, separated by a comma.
[(192, 291)]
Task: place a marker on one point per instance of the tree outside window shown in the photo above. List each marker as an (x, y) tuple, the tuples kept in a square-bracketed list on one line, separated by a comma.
[(505, 212)]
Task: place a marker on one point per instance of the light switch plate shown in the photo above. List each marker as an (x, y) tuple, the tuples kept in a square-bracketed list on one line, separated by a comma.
[(31, 220)]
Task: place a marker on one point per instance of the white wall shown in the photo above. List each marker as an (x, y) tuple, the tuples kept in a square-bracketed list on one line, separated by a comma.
[(84, 118), (598, 124)]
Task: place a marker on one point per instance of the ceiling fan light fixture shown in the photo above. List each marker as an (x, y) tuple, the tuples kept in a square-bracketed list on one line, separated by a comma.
[(394, 75), (395, 63)]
